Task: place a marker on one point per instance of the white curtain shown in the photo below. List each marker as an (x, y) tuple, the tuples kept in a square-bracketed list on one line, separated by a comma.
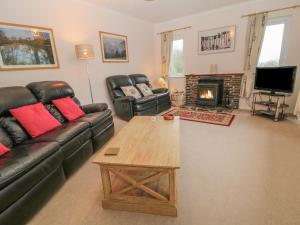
[(297, 108), (254, 38), (166, 50)]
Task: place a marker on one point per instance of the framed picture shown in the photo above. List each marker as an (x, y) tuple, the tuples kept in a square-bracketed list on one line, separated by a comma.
[(216, 40), (24, 47), (114, 47)]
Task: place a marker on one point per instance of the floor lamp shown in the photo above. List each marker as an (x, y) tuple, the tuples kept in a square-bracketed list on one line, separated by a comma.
[(86, 52)]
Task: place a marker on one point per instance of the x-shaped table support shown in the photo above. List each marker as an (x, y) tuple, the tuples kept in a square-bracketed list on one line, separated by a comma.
[(140, 184)]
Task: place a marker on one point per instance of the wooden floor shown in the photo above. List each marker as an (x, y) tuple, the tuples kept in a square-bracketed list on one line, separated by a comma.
[(246, 174)]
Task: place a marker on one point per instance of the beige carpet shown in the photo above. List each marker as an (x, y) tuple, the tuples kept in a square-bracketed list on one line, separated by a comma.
[(246, 174)]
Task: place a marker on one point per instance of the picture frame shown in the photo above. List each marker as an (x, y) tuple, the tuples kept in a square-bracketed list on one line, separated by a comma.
[(114, 47), (25, 47), (218, 40)]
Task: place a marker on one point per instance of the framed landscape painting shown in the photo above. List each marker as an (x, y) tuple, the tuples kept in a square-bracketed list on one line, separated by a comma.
[(24, 47), (216, 40), (114, 47)]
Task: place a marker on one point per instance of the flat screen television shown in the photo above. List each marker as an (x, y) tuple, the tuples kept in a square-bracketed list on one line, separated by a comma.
[(275, 79)]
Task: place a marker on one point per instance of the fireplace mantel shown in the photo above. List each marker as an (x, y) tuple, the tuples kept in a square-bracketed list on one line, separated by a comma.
[(218, 74), (232, 85)]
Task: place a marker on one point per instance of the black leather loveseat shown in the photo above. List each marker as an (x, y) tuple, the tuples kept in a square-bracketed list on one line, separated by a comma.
[(127, 107), (36, 168)]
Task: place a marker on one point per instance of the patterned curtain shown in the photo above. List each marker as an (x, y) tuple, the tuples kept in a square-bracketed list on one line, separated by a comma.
[(166, 50), (254, 38)]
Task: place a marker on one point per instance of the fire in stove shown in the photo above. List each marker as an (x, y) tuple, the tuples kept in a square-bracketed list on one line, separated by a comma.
[(207, 94)]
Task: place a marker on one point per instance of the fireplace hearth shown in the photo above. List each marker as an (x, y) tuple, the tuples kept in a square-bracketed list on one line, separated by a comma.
[(210, 92)]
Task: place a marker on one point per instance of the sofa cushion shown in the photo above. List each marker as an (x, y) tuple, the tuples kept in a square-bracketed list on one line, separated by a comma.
[(139, 79), (3, 149), (131, 91), (13, 97), (46, 91), (68, 108), (56, 113), (5, 139), (15, 131), (145, 89), (64, 133), (28, 166), (22, 158), (35, 119)]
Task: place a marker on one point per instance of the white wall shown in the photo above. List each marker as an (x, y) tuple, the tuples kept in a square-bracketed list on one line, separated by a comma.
[(75, 22), (232, 61)]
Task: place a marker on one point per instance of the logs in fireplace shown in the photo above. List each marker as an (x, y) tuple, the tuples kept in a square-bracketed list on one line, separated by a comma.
[(210, 92)]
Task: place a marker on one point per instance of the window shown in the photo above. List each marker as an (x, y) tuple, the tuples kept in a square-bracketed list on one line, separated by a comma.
[(274, 47), (176, 68)]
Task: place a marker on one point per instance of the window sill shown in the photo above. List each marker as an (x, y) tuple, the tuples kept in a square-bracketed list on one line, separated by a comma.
[(178, 76)]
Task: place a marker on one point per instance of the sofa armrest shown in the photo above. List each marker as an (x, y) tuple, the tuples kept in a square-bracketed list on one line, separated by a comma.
[(124, 107), (96, 107), (160, 90)]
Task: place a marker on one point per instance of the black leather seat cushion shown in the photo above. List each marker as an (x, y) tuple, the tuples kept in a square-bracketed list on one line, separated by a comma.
[(145, 103), (64, 133), (25, 167), (22, 158)]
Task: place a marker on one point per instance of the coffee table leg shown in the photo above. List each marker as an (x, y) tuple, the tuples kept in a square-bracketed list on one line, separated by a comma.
[(106, 182), (172, 187)]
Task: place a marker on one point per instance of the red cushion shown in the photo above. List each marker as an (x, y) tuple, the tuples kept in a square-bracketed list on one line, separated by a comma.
[(35, 119), (68, 107), (3, 149)]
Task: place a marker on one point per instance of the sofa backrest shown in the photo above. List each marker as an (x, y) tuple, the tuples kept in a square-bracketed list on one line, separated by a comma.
[(139, 79), (46, 91), (115, 82), (14, 97)]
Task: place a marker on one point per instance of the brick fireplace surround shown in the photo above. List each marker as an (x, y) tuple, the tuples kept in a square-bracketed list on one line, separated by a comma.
[(232, 84)]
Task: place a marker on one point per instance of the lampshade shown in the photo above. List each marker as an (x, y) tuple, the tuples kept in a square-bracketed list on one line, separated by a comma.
[(85, 52), (163, 83)]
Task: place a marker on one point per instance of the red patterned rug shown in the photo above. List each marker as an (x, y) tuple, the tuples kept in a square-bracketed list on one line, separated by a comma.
[(203, 117)]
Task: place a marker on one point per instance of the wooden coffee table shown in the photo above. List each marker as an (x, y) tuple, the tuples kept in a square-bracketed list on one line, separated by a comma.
[(143, 176)]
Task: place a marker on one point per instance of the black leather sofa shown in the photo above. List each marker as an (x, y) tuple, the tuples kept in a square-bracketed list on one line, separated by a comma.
[(127, 107), (36, 168)]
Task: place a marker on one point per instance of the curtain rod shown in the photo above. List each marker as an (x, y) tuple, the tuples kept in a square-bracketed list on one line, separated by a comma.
[(274, 10), (183, 28)]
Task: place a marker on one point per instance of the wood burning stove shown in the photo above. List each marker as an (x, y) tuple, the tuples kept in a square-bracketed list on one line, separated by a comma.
[(210, 92)]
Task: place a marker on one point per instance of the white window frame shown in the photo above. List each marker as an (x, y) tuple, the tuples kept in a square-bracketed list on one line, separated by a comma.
[(284, 47), (178, 36)]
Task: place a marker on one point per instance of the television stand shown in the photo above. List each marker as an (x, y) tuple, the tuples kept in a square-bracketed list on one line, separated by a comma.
[(270, 105)]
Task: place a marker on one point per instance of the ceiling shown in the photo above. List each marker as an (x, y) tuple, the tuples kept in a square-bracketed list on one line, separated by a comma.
[(158, 11)]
